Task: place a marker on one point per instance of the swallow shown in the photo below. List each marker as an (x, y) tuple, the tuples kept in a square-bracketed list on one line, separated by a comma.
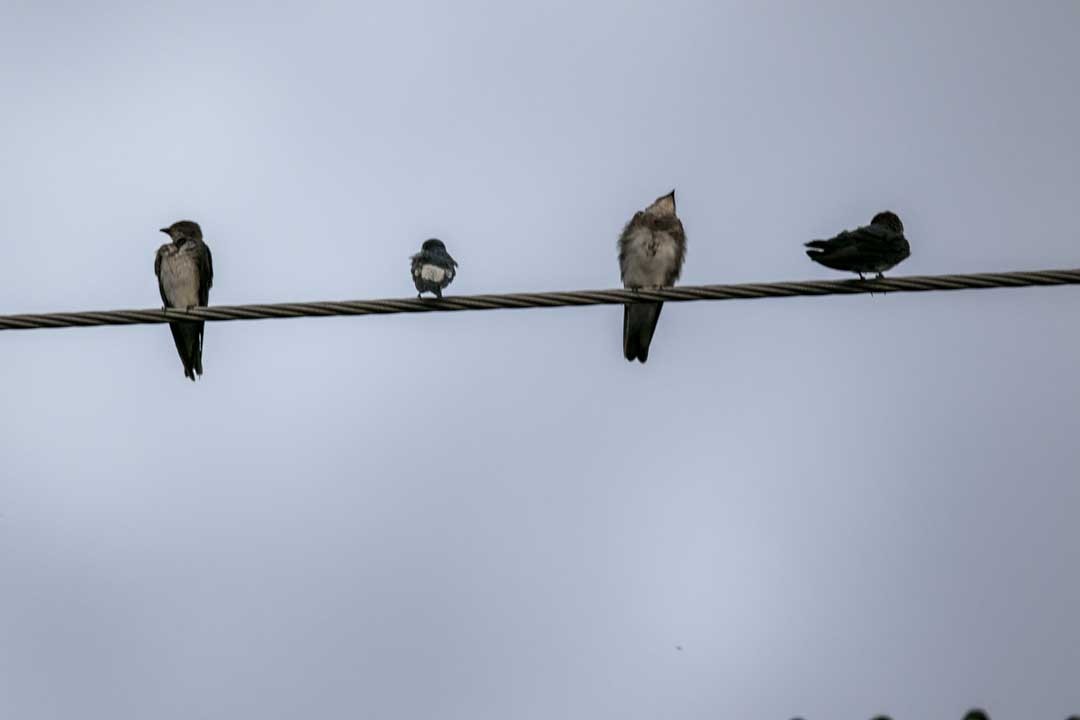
[(185, 273), (652, 249), (872, 248), (433, 268)]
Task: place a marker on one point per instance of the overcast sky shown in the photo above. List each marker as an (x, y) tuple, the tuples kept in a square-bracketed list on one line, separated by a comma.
[(836, 506)]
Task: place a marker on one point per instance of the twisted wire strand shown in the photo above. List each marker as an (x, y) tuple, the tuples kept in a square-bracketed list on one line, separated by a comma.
[(513, 301)]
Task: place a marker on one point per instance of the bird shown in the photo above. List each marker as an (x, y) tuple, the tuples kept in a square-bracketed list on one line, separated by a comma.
[(652, 249), (185, 273), (872, 248), (433, 268)]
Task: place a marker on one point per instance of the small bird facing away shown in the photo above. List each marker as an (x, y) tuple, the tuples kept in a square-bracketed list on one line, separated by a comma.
[(433, 268), (872, 248), (652, 249), (976, 714), (185, 273)]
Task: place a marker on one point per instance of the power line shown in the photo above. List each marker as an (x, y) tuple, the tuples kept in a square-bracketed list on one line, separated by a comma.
[(689, 293)]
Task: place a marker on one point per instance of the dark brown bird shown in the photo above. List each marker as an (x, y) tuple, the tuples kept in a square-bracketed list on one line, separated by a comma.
[(433, 268), (872, 248), (652, 249), (185, 273)]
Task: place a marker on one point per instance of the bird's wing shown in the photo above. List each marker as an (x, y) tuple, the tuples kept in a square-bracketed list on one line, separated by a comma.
[(206, 274), (624, 238), (873, 234), (843, 243), (417, 260), (444, 260), (157, 272), (875, 241)]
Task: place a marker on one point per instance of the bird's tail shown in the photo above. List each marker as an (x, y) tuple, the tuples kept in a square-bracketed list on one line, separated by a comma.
[(639, 324), (188, 337), (818, 249)]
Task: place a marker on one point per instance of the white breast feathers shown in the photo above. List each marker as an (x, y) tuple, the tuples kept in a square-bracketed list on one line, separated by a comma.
[(650, 259), (180, 280), (432, 273)]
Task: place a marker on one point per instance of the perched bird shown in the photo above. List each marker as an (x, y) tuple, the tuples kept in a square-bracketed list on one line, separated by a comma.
[(185, 273), (652, 248), (872, 248), (433, 268)]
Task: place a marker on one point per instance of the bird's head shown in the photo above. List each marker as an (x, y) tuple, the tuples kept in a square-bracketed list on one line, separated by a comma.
[(888, 219), (433, 245), (976, 714), (663, 205), (183, 231)]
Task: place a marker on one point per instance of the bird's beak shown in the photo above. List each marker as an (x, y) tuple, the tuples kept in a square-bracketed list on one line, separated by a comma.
[(164, 230)]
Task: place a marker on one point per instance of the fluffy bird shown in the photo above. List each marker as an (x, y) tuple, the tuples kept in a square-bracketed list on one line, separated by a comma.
[(185, 273), (433, 268), (872, 248), (652, 249)]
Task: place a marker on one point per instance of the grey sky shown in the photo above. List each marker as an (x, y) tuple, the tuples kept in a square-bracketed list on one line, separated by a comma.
[(837, 506)]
